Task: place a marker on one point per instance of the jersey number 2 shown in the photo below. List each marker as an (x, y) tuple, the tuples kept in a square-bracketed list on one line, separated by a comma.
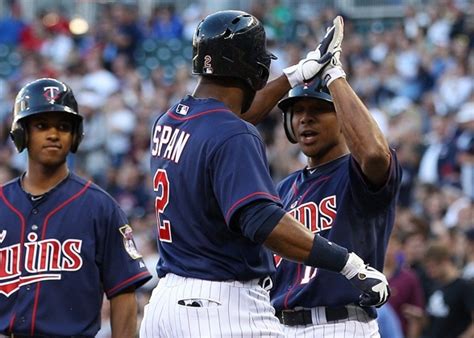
[(161, 180)]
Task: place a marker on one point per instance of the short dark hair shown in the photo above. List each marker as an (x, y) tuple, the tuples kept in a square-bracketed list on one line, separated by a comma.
[(438, 251)]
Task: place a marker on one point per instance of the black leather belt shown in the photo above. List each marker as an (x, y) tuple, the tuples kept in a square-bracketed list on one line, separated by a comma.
[(303, 317)]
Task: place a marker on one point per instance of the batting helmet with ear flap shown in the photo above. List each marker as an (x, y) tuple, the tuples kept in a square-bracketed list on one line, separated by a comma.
[(314, 89), (232, 43), (43, 96)]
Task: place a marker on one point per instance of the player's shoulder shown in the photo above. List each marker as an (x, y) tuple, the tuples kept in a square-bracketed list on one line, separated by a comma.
[(12, 184), (287, 181), (291, 177)]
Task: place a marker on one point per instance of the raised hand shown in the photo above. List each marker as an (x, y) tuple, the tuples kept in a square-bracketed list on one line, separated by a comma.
[(326, 53)]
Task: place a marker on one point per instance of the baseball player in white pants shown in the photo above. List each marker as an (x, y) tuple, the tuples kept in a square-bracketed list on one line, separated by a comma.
[(218, 215)]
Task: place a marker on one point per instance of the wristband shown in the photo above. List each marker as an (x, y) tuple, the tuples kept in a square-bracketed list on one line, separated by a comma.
[(332, 74), (327, 255)]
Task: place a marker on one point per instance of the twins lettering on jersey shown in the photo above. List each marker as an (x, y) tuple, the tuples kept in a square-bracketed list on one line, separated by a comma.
[(43, 260), (168, 142), (315, 217)]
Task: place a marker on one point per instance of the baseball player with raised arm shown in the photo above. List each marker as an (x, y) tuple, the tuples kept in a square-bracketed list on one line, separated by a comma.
[(218, 213), (63, 240), (347, 194)]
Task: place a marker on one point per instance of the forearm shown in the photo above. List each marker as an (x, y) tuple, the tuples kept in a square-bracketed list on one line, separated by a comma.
[(290, 240), (363, 136), (123, 315), (266, 99)]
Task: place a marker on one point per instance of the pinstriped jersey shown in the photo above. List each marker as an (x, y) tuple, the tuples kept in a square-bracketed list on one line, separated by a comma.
[(207, 164), (334, 201), (59, 253)]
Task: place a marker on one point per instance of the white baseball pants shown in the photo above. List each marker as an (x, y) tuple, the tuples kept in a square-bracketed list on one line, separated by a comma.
[(188, 307)]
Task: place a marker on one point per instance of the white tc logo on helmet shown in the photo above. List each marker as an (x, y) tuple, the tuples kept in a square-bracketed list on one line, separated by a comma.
[(51, 93)]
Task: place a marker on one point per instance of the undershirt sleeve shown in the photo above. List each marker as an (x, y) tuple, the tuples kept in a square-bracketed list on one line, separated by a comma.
[(258, 219)]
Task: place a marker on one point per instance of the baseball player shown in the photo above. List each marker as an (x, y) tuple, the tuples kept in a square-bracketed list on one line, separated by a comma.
[(347, 193), (63, 240), (217, 209)]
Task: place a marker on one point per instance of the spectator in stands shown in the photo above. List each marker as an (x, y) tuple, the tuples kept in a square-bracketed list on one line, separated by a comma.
[(58, 44), (97, 78), (129, 31), (468, 270), (451, 306), (11, 25), (407, 298), (120, 121), (165, 23), (91, 157), (438, 163), (414, 245), (465, 147)]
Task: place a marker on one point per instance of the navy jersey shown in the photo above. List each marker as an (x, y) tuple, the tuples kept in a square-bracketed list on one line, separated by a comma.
[(334, 201), (206, 164), (59, 254)]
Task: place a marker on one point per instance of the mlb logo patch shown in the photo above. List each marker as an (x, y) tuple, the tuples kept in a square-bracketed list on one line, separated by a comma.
[(182, 109)]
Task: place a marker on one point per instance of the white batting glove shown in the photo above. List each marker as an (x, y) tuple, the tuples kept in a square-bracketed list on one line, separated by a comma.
[(333, 70), (372, 283), (316, 60)]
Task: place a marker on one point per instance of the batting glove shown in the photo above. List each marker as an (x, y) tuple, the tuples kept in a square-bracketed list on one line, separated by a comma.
[(333, 70), (372, 283), (326, 52)]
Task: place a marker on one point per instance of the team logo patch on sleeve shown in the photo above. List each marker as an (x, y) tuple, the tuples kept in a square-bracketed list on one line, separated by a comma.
[(128, 241)]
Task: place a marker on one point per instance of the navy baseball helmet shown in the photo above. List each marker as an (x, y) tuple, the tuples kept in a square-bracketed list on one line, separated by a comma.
[(42, 96), (232, 43), (314, 89)]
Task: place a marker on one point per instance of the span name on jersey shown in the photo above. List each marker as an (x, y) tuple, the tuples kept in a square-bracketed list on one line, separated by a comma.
[(168, 142), (43, 260)]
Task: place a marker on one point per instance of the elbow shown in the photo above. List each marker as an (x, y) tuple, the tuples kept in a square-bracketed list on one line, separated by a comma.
[(379, 157), (377, 160), (377, 152)]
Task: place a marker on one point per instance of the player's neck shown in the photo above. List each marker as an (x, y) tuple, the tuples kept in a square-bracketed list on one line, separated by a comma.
[(231, 96), (316, 161), (38, 181)]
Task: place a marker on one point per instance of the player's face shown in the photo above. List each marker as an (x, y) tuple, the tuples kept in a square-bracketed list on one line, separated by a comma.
[(49, 138), (317, 130)]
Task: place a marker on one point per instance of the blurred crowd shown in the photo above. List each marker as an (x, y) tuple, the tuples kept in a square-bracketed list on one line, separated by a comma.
[(415, 74)]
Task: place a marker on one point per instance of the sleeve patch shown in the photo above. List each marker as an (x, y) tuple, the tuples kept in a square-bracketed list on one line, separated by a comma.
[(128, 241)]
